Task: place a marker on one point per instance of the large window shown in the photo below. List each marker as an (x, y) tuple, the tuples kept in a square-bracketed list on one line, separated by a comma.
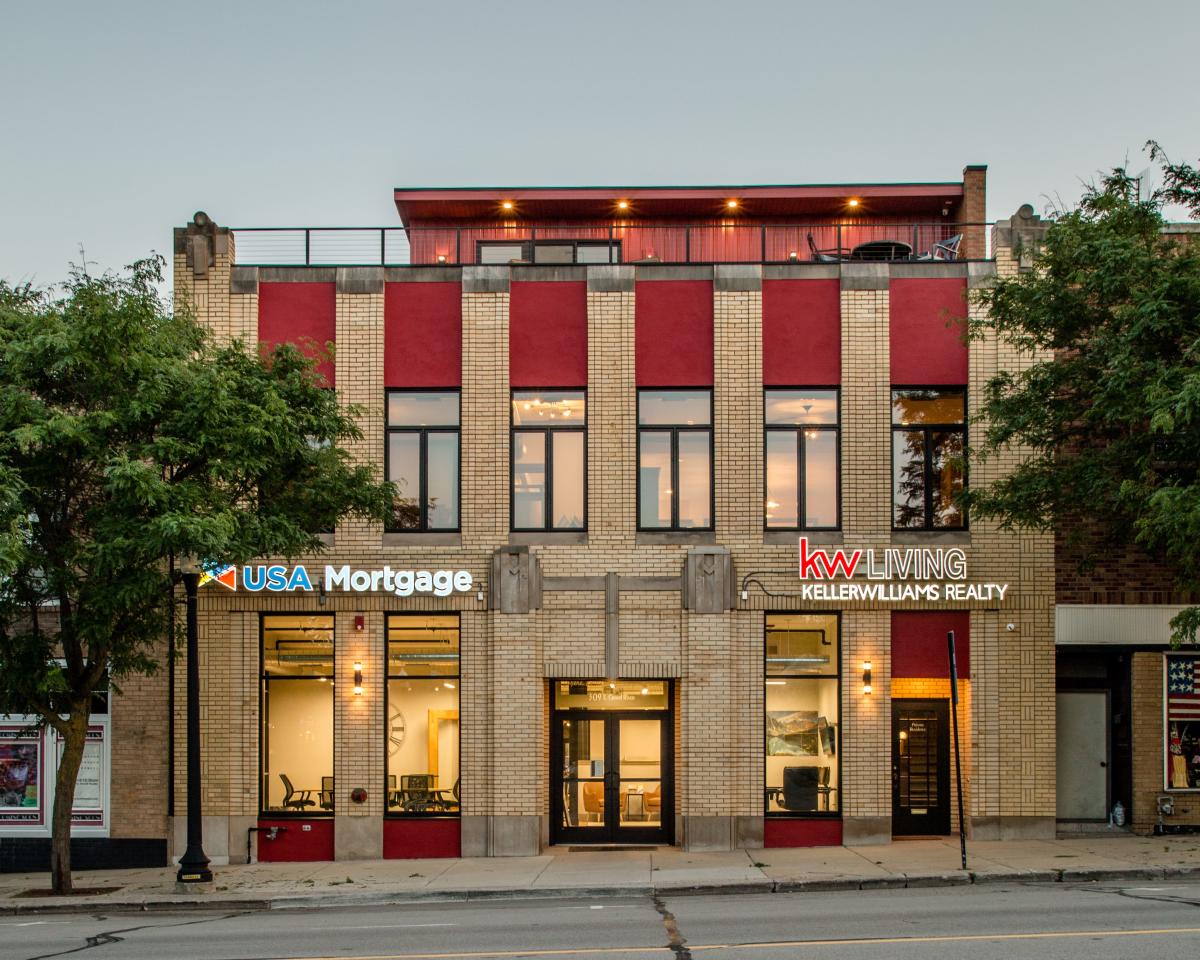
[(549, 251), (422, 458), (1182, 755), (297, 714), (802, 714), (928, 445), (549, 460), (802, 459), (675, 460), (422, 714)]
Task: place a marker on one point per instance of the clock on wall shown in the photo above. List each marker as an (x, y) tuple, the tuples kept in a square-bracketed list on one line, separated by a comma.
[(397, 728)]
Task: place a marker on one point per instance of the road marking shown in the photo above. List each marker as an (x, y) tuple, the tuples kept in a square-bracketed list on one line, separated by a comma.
[(772, 945), (34, 923), (390, 926)]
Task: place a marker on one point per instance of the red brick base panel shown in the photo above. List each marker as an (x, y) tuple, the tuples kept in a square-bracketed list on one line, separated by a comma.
[(781, 832), (421, 838), (297, 840)]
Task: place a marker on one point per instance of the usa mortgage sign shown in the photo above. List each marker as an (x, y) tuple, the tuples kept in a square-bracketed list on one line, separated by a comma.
[(277, 578), (891, 575)]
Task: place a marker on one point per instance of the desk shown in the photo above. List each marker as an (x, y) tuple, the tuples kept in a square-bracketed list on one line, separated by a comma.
[(881, 250)]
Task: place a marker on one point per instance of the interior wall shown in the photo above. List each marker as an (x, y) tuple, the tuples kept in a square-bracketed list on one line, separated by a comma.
[(415, 698), (299, 736), (818, 696)]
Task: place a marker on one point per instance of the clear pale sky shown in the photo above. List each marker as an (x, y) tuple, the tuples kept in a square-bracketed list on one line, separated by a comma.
[(119, 120)]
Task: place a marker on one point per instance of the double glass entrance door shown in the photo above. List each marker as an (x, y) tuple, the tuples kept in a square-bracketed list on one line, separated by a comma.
[(612, 777)]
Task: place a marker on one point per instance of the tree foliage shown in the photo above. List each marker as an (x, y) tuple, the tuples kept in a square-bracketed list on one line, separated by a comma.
[(1109, 415), (128, 437)]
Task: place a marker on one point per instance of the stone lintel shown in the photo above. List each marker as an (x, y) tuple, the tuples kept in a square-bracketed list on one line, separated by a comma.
[(866, 276), (243, 279), (803, 270), (360, 280), (422, 274), (737, 277), (609, 278), (490, 279)]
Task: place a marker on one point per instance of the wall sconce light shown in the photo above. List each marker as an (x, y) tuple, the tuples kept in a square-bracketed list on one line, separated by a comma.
[(852, 203), (866, 669), (731, 204), (507, 205), (358, 684), (793, 256), (622, 204), (441, 258)]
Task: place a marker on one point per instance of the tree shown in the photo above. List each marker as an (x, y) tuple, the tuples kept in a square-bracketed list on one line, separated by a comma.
[(128, 437), (1108, 415)]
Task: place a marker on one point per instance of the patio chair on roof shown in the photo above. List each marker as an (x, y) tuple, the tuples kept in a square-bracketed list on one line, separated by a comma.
[(944, 249), (829, 254)]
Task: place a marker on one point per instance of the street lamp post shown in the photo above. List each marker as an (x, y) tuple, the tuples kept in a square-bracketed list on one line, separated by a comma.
[(193, 868)]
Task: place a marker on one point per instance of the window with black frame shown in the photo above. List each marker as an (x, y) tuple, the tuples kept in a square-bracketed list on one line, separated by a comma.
[(929, 437), (549, 460), (675, 464), (802, 482), (422, 714), (802, 721), (548, 251), (423, 459), (297, 713)]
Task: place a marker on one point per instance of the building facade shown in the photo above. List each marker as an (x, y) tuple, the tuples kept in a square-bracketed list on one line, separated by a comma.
[(675, 552)]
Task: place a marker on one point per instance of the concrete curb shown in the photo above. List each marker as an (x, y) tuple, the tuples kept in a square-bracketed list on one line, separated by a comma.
[(293, 901)]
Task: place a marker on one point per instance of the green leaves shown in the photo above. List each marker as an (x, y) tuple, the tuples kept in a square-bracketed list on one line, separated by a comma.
[(128, 437), (1108, 418)]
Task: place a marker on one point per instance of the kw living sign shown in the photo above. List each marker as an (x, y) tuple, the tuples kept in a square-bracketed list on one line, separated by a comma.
[(894, 574), (277, 578)]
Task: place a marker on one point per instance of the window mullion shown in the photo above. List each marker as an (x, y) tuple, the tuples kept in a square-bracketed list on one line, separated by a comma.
[(801, 490), (674, 478), (928, 478), (548, 445), (422, 480)]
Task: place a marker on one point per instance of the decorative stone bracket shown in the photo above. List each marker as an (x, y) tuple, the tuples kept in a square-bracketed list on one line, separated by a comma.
[(1022, 233), (708, 580), (515, 580)]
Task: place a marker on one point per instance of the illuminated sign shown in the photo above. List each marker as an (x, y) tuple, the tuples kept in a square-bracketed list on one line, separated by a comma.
[(277, 578), (894, 574)]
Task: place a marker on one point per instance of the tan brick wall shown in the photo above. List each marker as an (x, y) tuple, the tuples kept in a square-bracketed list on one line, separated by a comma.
[(1008, 716)]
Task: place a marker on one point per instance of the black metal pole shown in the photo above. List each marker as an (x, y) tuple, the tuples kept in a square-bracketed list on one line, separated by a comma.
[(962, 830), (193, 868)]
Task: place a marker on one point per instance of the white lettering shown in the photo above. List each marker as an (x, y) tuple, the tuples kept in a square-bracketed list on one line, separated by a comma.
[(337, 578), (462, 581), (360, 581), (404, 583)]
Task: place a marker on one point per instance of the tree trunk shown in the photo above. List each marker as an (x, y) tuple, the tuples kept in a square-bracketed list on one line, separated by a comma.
[(64, 799)]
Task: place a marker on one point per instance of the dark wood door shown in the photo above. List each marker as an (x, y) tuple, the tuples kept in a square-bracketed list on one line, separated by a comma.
[(920, 768), (611, 777)]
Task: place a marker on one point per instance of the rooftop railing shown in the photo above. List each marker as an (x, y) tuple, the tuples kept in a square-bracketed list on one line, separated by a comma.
[(763, 243)]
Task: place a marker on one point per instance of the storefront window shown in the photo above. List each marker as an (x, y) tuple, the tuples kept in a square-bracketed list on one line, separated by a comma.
[(297, 712), (802, 459), (928, 446), (675, 460), (548, 459), (1183, 723), (423, 459), (422, 715), (802, 714)]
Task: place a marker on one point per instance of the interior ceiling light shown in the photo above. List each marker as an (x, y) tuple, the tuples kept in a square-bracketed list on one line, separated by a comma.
[(731, 204), (852, 202), (506, 205), (622, 204)]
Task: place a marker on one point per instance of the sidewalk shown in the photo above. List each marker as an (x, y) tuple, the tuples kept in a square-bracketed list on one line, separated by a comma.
[(665, 870)]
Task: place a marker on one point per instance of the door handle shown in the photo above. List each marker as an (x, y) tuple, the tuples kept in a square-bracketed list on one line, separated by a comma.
[(1104, 763)]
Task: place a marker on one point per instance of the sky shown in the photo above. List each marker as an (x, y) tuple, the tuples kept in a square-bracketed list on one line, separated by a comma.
[(119, 120)]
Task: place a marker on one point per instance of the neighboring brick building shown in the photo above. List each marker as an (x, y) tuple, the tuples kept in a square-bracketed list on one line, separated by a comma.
[(611, 414)]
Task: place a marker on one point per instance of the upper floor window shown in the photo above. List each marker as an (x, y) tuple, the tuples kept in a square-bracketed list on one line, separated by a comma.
[(675, 463), (423, 458), (549, 460), (549, 251), (928, 444), (802, 459)]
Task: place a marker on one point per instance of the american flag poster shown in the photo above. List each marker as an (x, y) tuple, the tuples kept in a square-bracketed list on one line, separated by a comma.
[(1183, 692)]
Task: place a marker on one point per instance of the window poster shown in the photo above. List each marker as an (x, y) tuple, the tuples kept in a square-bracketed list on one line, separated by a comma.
[(1183, 723), (21, 777), (89, 784)]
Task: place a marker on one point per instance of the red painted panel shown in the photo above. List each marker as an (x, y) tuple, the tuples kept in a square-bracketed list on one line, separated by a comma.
[(300, 313), (547, 334), (802, 333), (421, 839), (790, 832), (674, 333), (919, 643), (294, 844), (422, 334), (927, 345)]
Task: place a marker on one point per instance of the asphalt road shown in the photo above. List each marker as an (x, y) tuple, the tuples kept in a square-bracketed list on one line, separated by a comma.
[(1009, 921)]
